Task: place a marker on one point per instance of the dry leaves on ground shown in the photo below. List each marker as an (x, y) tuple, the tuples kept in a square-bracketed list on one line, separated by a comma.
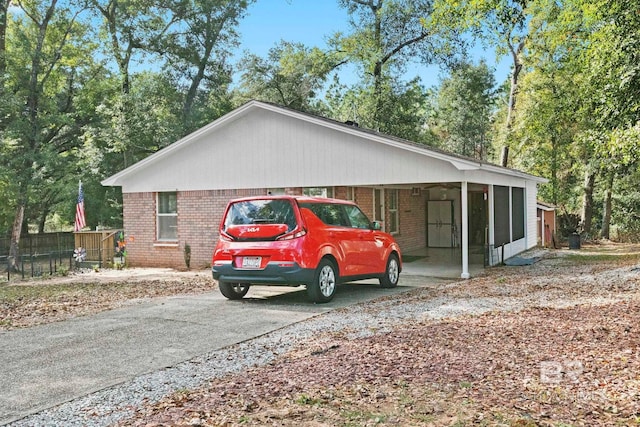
[(577, 365), (30, 303)]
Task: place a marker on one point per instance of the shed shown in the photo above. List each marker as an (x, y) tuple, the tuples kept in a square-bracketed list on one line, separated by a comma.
[(546, 214), (174, 199)]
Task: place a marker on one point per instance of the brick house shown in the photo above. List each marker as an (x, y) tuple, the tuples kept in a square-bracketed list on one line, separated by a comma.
[(424, 197)]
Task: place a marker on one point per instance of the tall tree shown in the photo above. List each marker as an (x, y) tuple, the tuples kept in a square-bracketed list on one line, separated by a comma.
[(48, 41), (505, 25), (129, 30), (464, 109), (4, 13), (385, 36), (292, 75), (607, 38), (196, 49)]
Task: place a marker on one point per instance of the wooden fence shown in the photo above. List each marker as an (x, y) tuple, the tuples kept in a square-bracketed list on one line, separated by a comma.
[(99, 245)]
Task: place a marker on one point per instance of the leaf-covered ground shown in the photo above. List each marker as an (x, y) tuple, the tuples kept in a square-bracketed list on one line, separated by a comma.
[(556, 343), (52, 299), (571, 356)]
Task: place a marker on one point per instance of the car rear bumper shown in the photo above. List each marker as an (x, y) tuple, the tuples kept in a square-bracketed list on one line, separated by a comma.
[(274, 273)]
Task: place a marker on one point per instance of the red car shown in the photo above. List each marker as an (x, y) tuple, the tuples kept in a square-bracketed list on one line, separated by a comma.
[(291, 241)]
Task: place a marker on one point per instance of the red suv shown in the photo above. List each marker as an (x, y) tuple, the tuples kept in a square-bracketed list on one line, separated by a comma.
[(289, 240)]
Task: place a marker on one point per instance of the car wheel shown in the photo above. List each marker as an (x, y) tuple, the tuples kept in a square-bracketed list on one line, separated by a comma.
[(324, 283), (233, 290), (392, 273)]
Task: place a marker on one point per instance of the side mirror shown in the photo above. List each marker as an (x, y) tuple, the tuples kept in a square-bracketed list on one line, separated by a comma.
[(375, 225)]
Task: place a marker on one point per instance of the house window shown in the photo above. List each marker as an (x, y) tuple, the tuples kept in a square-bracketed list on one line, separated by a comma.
[(518, 213), (318, 191), (378, 205), (501, 220), (167, 223), (351, 194), (393, 212)]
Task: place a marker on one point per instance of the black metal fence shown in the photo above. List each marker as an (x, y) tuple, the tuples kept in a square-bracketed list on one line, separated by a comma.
[(37, 265), (41, 243)]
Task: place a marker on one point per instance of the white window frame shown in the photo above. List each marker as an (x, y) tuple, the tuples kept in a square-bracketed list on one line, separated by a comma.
[(160, 215), (394, 220), (382, 206)]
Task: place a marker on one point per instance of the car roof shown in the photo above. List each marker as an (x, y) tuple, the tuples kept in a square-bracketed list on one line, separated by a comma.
[(299, 199)]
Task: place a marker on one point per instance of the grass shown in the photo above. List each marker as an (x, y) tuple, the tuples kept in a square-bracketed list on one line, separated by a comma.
[(598, 258)]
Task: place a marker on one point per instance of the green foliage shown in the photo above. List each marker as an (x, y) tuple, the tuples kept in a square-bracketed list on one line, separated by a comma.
[(292, 75), (89, 89), (403, 109), (463, 112), (385, 37), (63, 270)]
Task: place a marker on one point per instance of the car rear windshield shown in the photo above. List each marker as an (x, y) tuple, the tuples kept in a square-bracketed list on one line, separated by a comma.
[(260, 211)]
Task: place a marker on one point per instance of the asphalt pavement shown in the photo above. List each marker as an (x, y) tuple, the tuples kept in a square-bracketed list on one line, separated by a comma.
[(44, 366)]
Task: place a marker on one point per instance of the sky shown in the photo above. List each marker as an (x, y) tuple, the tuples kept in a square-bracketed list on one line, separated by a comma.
[(311, 22)]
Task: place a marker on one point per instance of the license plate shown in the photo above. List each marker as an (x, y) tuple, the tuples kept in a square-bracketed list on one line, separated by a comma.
[(251, 262)]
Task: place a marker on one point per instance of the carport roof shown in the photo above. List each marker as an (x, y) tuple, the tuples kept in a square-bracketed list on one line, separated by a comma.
[(160, 158)]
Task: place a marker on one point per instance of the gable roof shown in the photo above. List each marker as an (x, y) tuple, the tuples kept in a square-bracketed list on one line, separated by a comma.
[(215, 138)]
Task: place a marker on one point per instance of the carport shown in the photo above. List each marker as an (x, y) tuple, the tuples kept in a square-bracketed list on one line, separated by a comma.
[(440, 262)]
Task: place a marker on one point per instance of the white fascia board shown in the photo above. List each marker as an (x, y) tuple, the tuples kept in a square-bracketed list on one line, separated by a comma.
[(545, 208)]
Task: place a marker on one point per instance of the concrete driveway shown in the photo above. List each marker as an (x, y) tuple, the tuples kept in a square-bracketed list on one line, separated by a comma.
[(47, 365)]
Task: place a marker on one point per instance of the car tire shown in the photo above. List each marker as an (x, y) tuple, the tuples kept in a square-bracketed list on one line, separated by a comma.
[(233, 290), (392, 273), (324, 283)]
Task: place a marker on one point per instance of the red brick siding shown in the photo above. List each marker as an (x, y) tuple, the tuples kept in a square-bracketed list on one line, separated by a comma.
[(199, 216), (411, 210), (364, 198), (200, 213)]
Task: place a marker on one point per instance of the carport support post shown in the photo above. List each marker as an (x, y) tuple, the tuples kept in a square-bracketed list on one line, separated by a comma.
[(464, 202)]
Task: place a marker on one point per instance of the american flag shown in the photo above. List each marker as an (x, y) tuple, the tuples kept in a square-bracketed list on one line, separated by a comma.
[(80, 220)]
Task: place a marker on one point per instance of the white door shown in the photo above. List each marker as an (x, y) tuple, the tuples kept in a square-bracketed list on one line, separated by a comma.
[(440, 223)]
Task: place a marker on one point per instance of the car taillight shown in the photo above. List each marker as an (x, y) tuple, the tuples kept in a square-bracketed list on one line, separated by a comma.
[(293, 235)]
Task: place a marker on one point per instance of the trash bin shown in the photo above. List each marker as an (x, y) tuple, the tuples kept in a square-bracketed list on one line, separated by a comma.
[(574, 241)]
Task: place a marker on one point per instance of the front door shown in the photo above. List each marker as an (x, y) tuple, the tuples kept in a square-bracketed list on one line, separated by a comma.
[(440, 223)]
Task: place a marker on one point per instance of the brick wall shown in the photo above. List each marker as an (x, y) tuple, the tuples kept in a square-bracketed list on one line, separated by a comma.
[(413, 232), (200, 213), (199, 216)]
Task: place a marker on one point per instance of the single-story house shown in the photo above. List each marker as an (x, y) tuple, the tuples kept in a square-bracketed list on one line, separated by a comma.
[(423, 196)]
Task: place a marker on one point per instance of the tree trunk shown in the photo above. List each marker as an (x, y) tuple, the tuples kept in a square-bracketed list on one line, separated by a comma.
[(605, 233), (4, 7), (16, 230), (504, 156), (587, 200), (513, 94)]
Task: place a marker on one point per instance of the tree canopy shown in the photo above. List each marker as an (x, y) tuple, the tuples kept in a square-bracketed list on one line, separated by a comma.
[(88, 87)]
